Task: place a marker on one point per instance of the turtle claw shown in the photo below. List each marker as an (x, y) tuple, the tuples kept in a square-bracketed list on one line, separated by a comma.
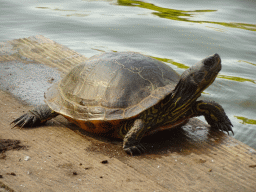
[(34, 117), (214, 115), (26, 120), (227, 127), (17, 121), (135, 150)]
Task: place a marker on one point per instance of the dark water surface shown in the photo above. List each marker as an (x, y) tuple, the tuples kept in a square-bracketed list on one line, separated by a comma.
[(177, 32)]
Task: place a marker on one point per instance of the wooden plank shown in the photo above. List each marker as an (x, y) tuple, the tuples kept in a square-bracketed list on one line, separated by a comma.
[(62, 157), (38, 49)]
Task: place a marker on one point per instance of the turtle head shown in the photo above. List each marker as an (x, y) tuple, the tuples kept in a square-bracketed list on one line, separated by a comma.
[(202, 74), (197, 78)]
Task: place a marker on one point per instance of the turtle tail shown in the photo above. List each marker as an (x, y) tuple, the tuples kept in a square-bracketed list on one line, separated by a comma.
[(34, 117)]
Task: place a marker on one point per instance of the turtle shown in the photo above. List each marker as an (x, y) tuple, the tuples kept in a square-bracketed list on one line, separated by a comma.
[(129, 95)]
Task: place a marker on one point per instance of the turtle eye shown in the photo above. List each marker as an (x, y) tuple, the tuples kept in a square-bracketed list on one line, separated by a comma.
[(209, 61)]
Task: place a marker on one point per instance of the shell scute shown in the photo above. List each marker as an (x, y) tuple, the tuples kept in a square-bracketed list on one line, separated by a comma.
[(111, 86)]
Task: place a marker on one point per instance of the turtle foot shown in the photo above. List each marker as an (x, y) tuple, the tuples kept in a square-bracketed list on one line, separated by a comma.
[(135, 150), (26, 120), (214, 115), (34, 117), (223, 127), (222, 123)]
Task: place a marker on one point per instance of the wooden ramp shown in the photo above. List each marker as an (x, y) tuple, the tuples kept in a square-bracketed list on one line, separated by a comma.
[(61, 157)]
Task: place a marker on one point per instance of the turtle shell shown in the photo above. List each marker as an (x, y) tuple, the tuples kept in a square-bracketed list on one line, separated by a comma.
[(112, 86)]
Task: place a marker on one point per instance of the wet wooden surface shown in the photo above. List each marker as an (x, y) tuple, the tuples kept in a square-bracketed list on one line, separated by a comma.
[(61, 157)]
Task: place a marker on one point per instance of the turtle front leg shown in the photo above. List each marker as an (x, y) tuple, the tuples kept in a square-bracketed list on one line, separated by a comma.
[(132, 139), (34, 117), (214, 114)]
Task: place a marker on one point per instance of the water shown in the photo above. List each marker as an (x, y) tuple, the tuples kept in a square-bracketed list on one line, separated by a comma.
[(177, 32)]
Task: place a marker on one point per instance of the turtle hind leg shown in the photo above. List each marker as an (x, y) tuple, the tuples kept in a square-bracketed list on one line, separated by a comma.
[(214, 115), (34, 117), (132, 139)]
